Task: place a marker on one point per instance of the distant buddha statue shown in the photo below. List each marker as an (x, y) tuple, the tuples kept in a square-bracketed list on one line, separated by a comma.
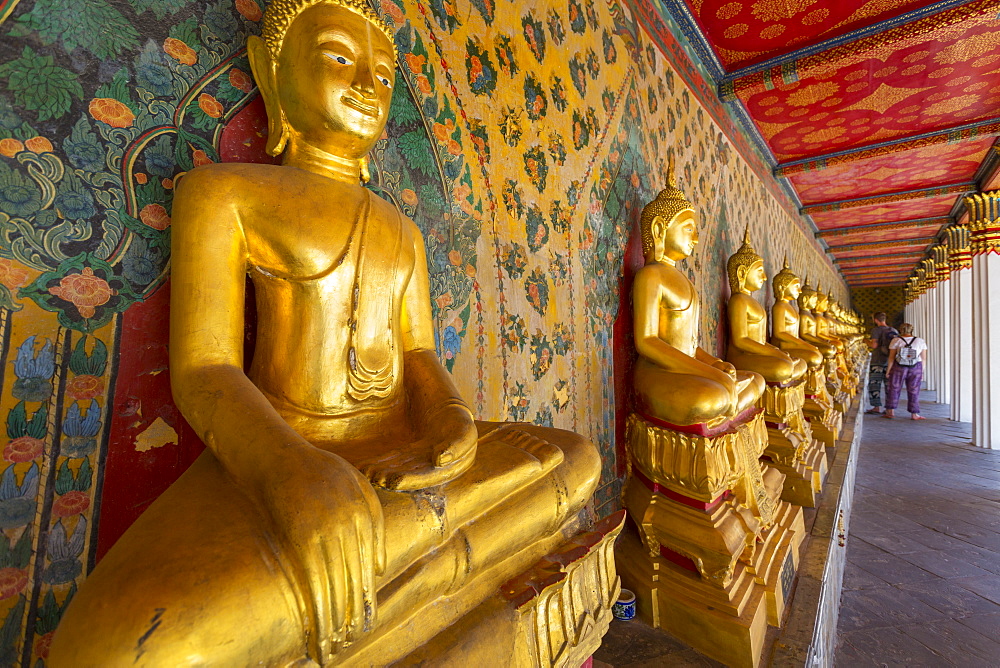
[(785, 318), (347, 506), (675, 380), (824, 326), (748, 347), (807, 322)]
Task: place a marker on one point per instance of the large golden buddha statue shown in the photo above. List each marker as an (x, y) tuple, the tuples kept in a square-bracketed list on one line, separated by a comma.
[(808, 330), (675, 379), (748, 346), (347, 508)]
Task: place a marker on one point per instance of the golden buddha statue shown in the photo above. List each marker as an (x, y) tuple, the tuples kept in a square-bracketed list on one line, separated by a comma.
[(675, 379), (748, 347), (807, 322), (347, 508), (785, 318)]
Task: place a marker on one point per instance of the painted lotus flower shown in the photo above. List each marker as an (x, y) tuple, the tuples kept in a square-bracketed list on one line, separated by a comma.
[(111, 111), (64, 552), (71, 503), (155, 216), (84, 290), (85, 387), (240, 80), (9, 147), (12, 274), (12, 582), (23, 449), (180, 51), (210, 105), (79, 431)]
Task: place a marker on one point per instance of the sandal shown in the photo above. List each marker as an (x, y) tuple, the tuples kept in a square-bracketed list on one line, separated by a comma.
[(917, 416), (873, 411), (887, 416)]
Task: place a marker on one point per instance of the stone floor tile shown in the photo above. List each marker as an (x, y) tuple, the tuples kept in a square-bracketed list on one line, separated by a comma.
[(944, 565), (949, 598), (986, 587), (957, 643), (988, 625), (848, 656), (894, 543), (883, 606), (891, 647)]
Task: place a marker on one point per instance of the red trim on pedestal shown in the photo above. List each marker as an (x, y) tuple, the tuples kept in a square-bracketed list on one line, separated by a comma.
[(657, 488), (702, 428), (776, 425), (679, 559)]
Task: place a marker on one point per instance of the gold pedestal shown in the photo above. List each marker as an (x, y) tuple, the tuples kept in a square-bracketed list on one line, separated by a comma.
[(726, 623), (790, 446), (553, 615), (712, 546)]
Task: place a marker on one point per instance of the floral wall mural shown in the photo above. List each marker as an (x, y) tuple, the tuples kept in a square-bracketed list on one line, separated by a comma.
[(524, 140)]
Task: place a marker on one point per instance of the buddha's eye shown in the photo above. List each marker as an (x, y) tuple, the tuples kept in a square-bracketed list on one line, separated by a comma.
[(340, 59), (385, 81)]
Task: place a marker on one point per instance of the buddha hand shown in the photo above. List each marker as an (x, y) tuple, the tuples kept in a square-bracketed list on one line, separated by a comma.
[(327, 517)]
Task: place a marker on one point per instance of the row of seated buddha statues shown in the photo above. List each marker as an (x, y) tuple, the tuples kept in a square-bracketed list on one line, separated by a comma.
[(791, 447), (347, 509), (712, 546)]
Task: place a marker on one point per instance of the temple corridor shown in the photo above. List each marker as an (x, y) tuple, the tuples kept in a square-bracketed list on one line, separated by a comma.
[(922, 581)]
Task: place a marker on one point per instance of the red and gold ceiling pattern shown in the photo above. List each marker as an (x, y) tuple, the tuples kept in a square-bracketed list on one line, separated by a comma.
[(870, 236), (920, 168), (901, 88), (747, 33), (871, 252), (885, 212)]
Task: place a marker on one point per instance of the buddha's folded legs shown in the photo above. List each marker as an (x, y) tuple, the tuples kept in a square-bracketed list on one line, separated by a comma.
[(680, 398), (196, 580), (773, 369)]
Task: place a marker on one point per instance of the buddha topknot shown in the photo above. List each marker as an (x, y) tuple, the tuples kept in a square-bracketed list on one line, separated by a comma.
[(745, 257), (280, 14)]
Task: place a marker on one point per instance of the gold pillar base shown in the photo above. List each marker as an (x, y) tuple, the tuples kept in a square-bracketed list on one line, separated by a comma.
[(726, 623), (815, 458), (553, 615), (788, 435)]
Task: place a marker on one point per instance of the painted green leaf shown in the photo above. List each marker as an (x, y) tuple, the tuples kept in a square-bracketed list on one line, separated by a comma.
[(90, 24), (17, 421), (64, 478), (38, 84), (416, 147), (160, 7)]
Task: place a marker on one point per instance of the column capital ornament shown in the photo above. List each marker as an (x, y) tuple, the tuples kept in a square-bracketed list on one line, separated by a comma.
[(984, 222), (942, 268), (930, 273), (959, 247)]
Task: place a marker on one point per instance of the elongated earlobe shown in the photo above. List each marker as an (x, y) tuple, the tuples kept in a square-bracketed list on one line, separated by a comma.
[(263, 68)]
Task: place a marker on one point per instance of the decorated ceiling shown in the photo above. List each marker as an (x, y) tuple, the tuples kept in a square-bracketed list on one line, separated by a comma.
[(876, 116)]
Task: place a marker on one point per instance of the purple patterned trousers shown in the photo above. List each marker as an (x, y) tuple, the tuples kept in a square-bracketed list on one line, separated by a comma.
[(910, 376)]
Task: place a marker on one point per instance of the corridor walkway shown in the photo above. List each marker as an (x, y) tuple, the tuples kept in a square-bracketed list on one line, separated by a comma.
[(922, 582)]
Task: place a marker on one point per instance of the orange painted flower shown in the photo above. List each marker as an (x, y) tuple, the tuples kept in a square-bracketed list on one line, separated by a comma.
[(249, 9), (111, 111), (38, 145), (23, 449), (180, 51), (394, 12), (12, 274), (210, 105), (240, 80), (9, 147), (140, 178), (455, 257), (155, 216), (200, 158), (444, 300), (42, 645), (167, 183), (12, 581), (415, 62), (470, 271), (85, 387), (84, 291), (454, 147), (443, 131), (423, 84), (409, 197), (71, 503)]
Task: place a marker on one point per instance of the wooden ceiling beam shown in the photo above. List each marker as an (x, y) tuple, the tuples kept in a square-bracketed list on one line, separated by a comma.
[(881, 227)]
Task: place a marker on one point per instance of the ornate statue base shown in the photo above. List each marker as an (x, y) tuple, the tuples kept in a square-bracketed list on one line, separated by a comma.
[(712, 544), (552, 615), (790, 445), (824, 420), (838, 395)]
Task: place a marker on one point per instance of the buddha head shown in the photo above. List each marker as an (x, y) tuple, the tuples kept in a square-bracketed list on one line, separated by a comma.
[(746, 268), (807, 297), (821, 302), (325, 69), (785, 284), (668, 224)]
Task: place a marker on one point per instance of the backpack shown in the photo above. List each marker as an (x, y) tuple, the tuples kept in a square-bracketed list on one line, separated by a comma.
[(907, 356), (885, 338)]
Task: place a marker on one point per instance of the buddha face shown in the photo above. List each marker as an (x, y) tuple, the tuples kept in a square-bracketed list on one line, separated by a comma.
[(755, 277), (334, 79), (678, 237), (793, 289)]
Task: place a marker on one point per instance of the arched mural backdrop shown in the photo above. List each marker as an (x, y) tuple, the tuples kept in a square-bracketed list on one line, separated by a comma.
[(525, 139)]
